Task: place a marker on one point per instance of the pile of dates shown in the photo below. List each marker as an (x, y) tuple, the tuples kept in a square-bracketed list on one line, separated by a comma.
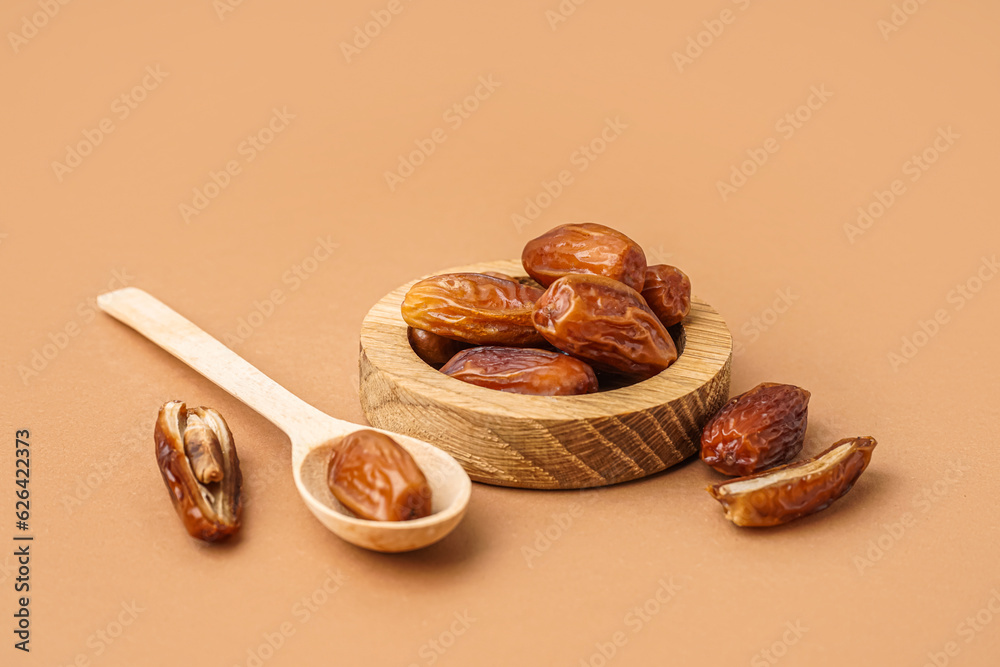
[(594, 314)]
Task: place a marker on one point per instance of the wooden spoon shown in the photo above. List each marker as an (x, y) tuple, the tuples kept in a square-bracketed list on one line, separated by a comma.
[(312, 432)]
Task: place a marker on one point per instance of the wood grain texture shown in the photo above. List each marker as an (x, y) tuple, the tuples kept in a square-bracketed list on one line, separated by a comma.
[(546, 442)]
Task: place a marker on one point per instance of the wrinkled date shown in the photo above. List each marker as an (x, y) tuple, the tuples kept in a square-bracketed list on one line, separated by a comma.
[(374, 477), (473, 308), (197, 458), (667, 292), (757, 430), (780, 495), (606, 323), (585, 248), (522, 370), (433, 349)]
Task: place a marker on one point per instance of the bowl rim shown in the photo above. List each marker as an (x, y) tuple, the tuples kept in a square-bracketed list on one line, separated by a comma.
[(707, 350)]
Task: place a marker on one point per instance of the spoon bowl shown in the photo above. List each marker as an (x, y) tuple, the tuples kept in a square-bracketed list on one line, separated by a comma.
[(313, 433), (450, 497)]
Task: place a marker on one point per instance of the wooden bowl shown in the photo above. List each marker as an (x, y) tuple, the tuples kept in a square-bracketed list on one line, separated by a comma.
[(546, 442)]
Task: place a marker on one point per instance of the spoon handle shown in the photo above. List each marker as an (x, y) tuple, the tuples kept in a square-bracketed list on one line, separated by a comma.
[(181, 338)]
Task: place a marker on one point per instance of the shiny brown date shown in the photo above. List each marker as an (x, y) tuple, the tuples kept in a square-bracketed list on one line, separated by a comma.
[(783, 494), (196, 454), (374, 477), (760, 429), (522, 370), (604, 322), (497, 274), (473, 308), (585, 247), (433, 349), (667, 292)]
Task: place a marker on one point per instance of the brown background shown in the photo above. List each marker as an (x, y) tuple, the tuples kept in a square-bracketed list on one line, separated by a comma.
[(886, 577)]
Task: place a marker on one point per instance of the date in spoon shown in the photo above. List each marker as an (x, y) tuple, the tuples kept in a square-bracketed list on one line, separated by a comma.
[(311, 431)]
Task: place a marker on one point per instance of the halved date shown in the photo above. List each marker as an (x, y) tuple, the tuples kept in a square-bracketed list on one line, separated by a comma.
[(584, 247), (196, 454), (474, 308), (377, 479), (522, 370), (759, 429), (783, 494), (605, 322), (667, 292)]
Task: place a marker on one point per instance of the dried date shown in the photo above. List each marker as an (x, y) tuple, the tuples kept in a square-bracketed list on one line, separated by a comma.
[(473, 308), (792, 491), (376, 478), (432, 348), (196, 454), (760, 429), (522, 370), (605, 322), (667, 291), (587, 248)]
